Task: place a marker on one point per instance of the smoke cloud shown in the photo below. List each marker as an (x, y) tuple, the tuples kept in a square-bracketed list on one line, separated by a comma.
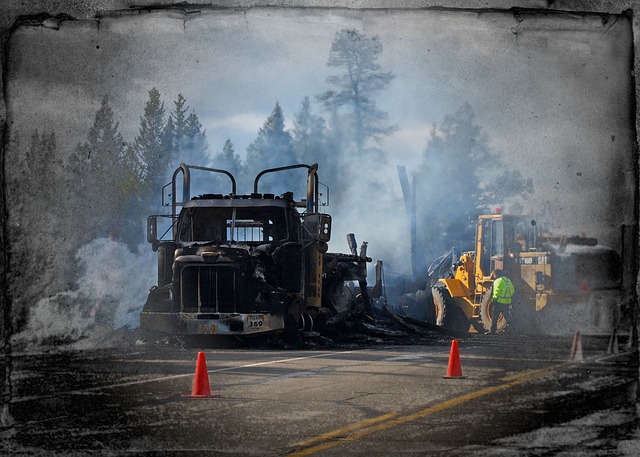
[(109, 295)]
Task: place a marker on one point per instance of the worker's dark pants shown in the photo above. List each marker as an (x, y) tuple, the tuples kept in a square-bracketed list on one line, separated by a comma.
[(497, 309)]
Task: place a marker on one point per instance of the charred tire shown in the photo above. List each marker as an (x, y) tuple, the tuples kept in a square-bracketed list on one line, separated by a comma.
[(486, 308), (439, 304)]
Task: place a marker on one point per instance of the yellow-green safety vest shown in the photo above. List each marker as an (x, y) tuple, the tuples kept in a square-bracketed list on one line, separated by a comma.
[(502, 290)]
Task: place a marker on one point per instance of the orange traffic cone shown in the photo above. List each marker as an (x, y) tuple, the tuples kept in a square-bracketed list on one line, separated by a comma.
[(201, 387), (454, 370), (576, 348)]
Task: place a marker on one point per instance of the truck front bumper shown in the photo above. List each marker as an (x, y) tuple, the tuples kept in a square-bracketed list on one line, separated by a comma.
[(211, 323)]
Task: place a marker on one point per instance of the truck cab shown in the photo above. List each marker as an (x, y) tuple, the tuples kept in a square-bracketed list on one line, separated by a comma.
[(237, 264)]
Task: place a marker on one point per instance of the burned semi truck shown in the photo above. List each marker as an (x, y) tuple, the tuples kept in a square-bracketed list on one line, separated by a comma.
[(243, 265)]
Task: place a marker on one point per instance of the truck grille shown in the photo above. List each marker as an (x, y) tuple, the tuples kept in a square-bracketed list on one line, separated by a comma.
[(208, 288)]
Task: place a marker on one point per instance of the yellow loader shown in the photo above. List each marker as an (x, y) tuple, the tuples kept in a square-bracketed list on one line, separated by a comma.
[(545, 269)]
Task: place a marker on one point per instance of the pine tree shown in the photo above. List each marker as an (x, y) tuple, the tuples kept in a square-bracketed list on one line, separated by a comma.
[(230, 161), (356, 87), (272, 148), (98, 162), (105, 144), (40, 223), (185, 136), (195, 145), (134, 198), (308, 136), (152, 145)]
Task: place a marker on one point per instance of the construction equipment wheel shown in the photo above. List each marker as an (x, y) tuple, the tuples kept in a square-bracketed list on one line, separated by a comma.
[(456, 319), (439, 304), (486, 311), (424, 298)]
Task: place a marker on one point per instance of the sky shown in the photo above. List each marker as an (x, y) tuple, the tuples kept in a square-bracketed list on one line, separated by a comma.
[(552, 92)]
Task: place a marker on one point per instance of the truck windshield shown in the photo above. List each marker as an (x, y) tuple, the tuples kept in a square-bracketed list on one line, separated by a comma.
[(243, 225)]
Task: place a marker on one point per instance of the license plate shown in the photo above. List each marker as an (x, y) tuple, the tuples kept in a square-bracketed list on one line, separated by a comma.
[(207, 329), (256, 322)]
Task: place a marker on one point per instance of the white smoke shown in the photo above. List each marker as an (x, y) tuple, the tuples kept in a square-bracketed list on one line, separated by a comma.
[(373, 209), (116, 279), (109, 295)]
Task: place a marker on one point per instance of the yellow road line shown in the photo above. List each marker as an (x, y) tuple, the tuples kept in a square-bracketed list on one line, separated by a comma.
[(347, 429), (362, 429)]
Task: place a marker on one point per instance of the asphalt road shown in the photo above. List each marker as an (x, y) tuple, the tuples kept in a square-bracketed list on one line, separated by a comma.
[(518, 396)]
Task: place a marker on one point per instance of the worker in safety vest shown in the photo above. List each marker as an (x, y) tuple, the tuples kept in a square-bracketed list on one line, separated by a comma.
[(501, 295)]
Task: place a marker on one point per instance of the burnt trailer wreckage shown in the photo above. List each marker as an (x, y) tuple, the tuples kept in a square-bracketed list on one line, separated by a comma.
[(248, 265)]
